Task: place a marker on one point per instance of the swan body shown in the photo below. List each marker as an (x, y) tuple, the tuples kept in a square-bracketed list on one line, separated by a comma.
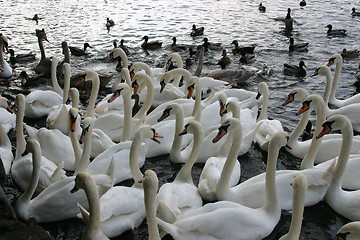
[(299, 185), (341, 201), (338, 60), (22, 166), (7, 116), (5, 150), (350, 231), (229, 220), (6, 70), (268, 127)]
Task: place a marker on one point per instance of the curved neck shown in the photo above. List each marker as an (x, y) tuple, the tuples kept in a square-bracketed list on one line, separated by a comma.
[(90, 112), (337, 73), (177, 73), (265, 105), (138, 66), (127, 116), (295, 134), (149, 97), (85, 156), (223, 185), (133, 158), (329, 87), (271, 195), (42, 50), (185, 172), (74, 96), (76, 146), (319, 105), (92, 196), (196, 113), (54, 80), (20, 138), (175, 152)]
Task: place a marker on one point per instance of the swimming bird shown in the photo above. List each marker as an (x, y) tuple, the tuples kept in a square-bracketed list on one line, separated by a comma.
[(349, 53), (288, 21), (335, 32), (224, 60), (27, 81), (302, 3), (177, 47), (25, 57), (300, 47), (211, 46), (109, 23), (350, 231), (293, 70), (246, 58), (6, 71), (354, 13), (196, 31), (123, 47), (150, 45), (78, 51), (237, 50), (262, 8)]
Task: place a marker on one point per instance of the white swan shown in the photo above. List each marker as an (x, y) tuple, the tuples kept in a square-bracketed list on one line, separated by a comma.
[(7, 116), (21, 169), (6, 71), (59, 203), (350, 231), (251, 192), (299, 185), (268, 127), (119, 153), (229, 220), (181, 195), (122, 208), (5, 150), (338, 60), (92, 223), (343, 202), (94, 78)]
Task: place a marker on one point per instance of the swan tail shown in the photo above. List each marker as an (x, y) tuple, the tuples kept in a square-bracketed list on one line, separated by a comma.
[(167, 228), (58, 173), (85, 215)]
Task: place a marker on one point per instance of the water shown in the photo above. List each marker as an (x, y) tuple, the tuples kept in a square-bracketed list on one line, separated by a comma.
[(81, 21)]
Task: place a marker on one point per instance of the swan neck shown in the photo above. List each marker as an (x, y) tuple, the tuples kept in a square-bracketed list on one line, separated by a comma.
[(54, 80), (149, 97), (94, 204), (271, 194), (185, 172), (42, 50), (127, 117), (264, 106), (295, 134), (338, 69), (85, 156), (297, 213), (90, 112), (133, 158), (150, 210), (20, 138), (328, 87), (76, 146), (175, 152), (200, 63), (66, 85), (197, 106)]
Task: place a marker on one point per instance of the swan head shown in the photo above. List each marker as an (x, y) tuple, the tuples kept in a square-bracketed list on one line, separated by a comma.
[(5, 103), (262, 88), (139, 79), (228, 125), (193, 82), (192, 127), (222, 98), (322, 70), (333, 123), (336, 58), (116, 52), (89, 75), (150, 181), (298, 94), (81, 180), (349, 231), (148, 132), (86, 127), (121, 88), (172, 108), (310, 102), (73, 115), (300, 182)]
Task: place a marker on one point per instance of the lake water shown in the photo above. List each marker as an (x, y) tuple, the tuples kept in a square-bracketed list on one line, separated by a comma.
[(81, 21)]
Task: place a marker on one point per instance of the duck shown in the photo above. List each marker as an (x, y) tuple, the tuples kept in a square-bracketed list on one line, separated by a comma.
[(349, 53), (293, 70), (44, 66), (78, 51), (246, 58), (6, 71), (21, 58), (195, 31), (299, 191), (354, 12), (300, 47), (269, 126), (177, 47), (21, 168), (237, 50), (302, 3), (211, 46), (335, 32), (350, 231), (230, 216), (109, 23), (122, 206), (224, 60), (288, 21), (169, 205), (27, 81), (123, 47), (5, 150), (92, 227), (342, 201), (338, 60), (146, 45), (36, 17), (262, 8), (7, 116), (27, 207)]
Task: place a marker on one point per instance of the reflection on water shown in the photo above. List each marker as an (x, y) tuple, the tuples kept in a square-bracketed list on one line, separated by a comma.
[(81, 21)]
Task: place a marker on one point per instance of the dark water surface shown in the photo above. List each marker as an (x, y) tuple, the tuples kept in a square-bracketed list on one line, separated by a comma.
[(81, 21)]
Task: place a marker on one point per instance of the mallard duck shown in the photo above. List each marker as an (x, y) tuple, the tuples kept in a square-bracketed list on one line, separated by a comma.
[(300, 47), (177, 47), (302, 3), (109, 23), (212, 46), (246, 58), (237, 50), (354, 13), (224, 61), (25, 57), (262, 8), (197, 31), (288, 20), (27, 81), (150, 45), (335, 32), (349, 53), (78, 51), (294, 70)]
